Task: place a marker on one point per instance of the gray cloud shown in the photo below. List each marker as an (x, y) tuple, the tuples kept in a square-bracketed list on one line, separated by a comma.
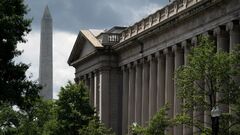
[(72, 15)]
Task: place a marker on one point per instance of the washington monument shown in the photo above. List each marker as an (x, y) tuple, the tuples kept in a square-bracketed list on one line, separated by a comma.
[(46, 56)]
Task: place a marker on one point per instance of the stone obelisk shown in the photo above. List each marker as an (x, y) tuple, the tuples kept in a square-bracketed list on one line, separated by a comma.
[(46, 56)]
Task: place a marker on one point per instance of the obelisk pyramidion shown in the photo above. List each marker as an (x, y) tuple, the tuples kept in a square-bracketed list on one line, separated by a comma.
[(46, 56)]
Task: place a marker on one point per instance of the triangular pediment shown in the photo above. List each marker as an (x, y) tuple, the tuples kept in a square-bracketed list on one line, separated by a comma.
[(85, 45), (86, 49)]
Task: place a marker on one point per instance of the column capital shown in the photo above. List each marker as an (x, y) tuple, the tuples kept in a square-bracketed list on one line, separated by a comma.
[(151, 57), (168, 51), (220, 30), (129, 65), (96, 71), (85, 76), (194, 40), (177, 48), (124, 67), (137, 62), (90, 75), (145, 60), (208, 34), (186, 43), (159, 54), (233, 25)]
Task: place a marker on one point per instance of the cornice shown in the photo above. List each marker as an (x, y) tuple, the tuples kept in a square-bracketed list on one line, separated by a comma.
[(166, 23)]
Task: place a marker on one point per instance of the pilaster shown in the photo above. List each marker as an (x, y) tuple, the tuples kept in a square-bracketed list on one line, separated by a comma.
[(161, 66), (125, 99), (153, 86), (178, 61), (222, 38), (234, 32), (138, 92), (169, 84), (145, 92), (91, 88), (186, 45), (131, 98)]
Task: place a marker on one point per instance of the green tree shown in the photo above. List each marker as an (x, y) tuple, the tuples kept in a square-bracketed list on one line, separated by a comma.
[(51, 127), (15, 88), (74, 114), (157, 125), (14, 121), (208, 74), (73, 109), (8, 117), (95, 127), (18, 95), (36, 122)]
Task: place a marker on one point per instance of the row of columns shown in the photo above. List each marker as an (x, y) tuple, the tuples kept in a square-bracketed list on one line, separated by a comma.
[(148, 83), (98, 93), (92, 82)]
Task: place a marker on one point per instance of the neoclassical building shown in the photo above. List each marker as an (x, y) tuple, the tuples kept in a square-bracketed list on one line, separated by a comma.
[(129, 70)]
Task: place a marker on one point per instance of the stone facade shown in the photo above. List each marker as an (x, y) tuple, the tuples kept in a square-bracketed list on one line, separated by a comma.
[(130, 71)]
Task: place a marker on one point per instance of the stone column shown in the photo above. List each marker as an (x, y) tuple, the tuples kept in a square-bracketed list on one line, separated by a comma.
[(91, 87), (169, 83), (105, 96), (160, 80), (145, 92), (234, 31), (131, 99), (96, 91), (138, 92), (187, 45), (81, 79), (222, 45), (179, 61), (85, 77), (222, 38), (125, 100), (152, 87), (194, 41)]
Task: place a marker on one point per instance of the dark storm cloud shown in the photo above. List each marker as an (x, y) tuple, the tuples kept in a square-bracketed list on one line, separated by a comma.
[(72, 15)]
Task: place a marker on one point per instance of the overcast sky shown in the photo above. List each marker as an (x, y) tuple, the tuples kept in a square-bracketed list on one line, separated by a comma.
[(69, 16)]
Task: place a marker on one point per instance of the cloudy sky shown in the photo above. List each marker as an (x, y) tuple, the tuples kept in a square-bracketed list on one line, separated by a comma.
[(69, 16)]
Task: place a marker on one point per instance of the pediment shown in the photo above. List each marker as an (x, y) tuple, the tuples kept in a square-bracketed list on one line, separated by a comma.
[(85, 44), (86, 49)]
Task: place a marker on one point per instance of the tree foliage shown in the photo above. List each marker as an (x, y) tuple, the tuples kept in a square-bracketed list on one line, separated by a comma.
[(74, 114), (74, 109), (15, 88), (18, 95), (14, 121), (157, 125), (35, 121), (208, 81), (95, 127)]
